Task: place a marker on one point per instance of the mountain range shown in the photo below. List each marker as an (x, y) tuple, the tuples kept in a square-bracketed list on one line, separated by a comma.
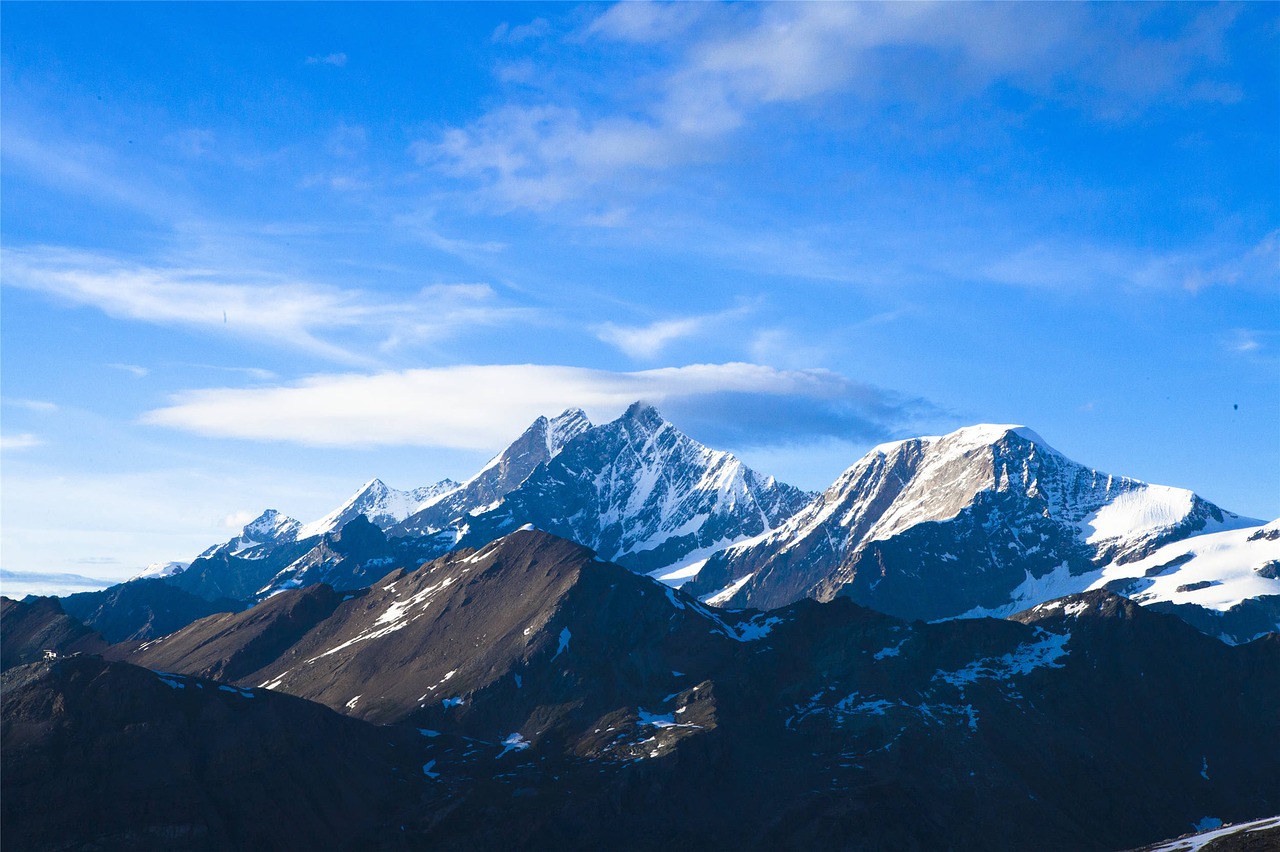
[(531, 695), (987, 520), (612, 636)]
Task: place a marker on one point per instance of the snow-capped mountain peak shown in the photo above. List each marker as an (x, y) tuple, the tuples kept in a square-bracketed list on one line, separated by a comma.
[(931, 527), (640, 491), (382, 505), (268, 529), (538, 444), (571, 423), (161, 569)]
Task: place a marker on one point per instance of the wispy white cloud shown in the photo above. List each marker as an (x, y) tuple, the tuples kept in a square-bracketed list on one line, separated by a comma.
[(20, 441), (38, 405), (347, 140), (731, 62), (236, 520), (421, 226), (1244, 341), (301, 315), (505, 32), (482, 407), (1259, 264), (648, 341), (337, 60), (537, 157), (193, 141), (646, 23), (83, 168), (255, 373), (1064, 264), (135, 370)]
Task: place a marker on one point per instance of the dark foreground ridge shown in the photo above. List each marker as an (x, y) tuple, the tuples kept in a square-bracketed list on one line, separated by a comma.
[(543, 699)]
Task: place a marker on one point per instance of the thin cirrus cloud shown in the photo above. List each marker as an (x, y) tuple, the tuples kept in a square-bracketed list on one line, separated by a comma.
[(729, 62), (1052, 264), (482, 407), (303, 316), (337, 60), (648, 341), (20, 441)]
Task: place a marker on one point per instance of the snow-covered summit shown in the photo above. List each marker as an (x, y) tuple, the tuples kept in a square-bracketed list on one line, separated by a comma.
[(161, 569), (257, 536), (541, 442), (640, 492), (953, 519), (382, 505)]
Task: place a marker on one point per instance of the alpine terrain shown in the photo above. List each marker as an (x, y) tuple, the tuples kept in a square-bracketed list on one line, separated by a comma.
[(530, 695), (612, 636), (988, 519)]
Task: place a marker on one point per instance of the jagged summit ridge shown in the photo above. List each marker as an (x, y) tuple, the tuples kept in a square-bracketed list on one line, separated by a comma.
[(382, 505), (640, 492), (270, 528), (933, 527), (542, 441)]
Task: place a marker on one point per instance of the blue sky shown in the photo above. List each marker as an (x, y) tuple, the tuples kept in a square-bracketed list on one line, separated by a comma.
[(255, 255)]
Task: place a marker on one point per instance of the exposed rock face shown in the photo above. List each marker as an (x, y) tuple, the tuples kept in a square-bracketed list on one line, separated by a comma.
[(354, 557), (604, 710), (239, 576), (466, 622), (643, 494), (36, 626), (142, 609), (938, 527), (541, 442), (102, 755)]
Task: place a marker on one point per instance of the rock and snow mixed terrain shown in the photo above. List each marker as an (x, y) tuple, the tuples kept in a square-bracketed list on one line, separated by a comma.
[(984, 521), (553, 654), (641, 493), (529, 695), (636, 490), (382, 506), (987, 517)]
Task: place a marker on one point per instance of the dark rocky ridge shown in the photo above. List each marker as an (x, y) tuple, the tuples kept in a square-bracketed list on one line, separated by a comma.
[(1248, 620), (223, 574), (468, 621), (650, 721), (37, 625), (142, 609), (102, 755)]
